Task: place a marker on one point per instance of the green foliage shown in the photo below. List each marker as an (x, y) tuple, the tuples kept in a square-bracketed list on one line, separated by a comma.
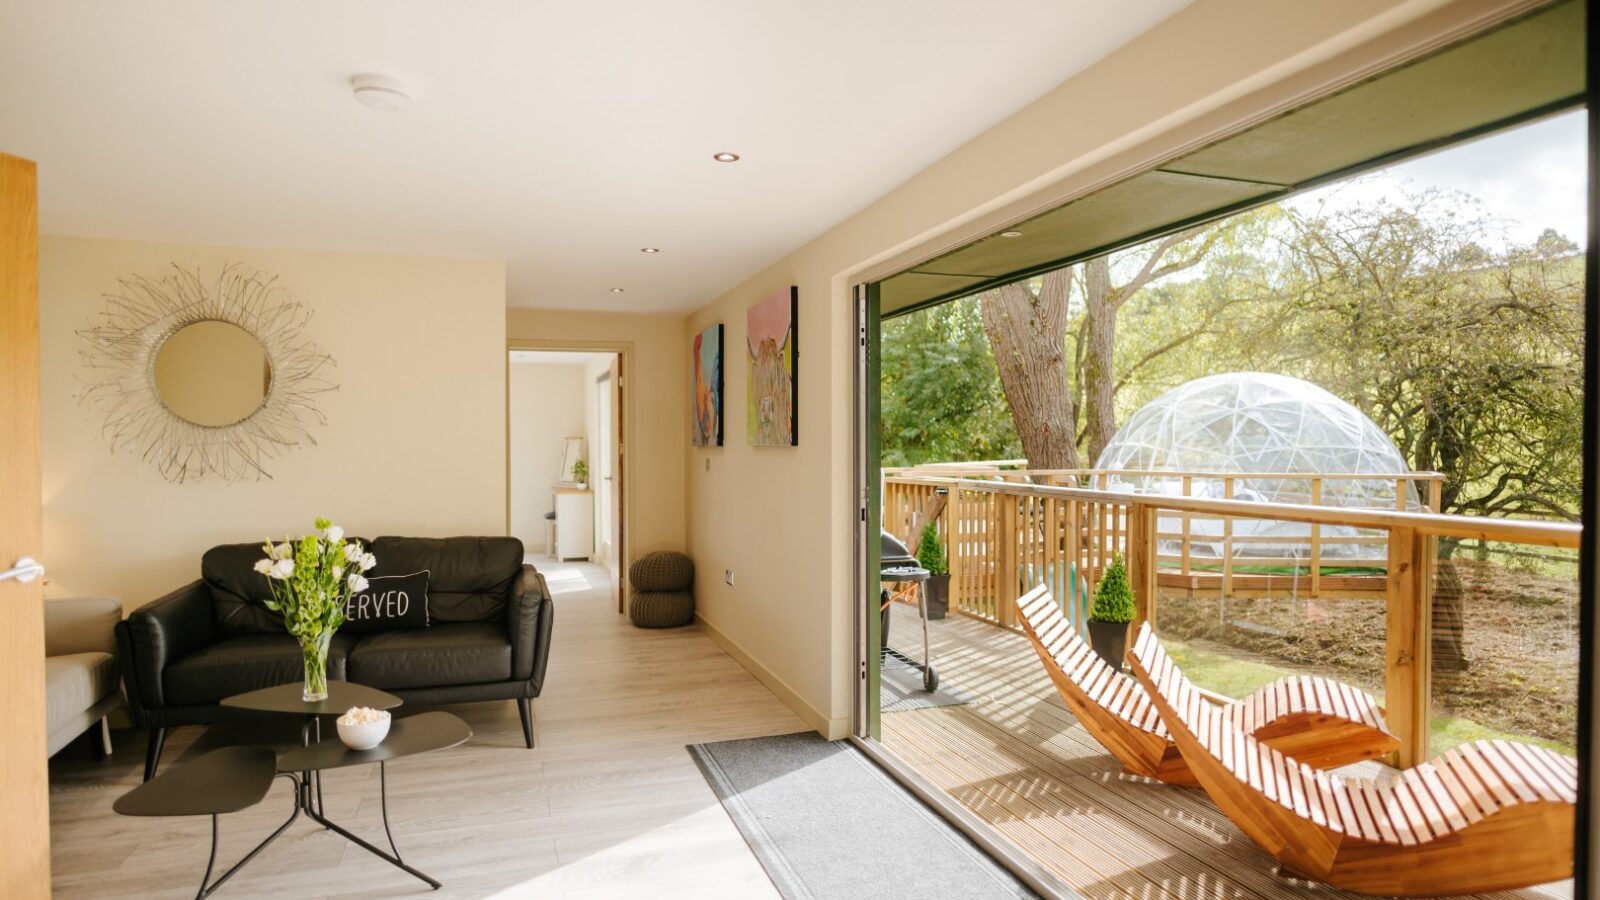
[(931, 553), (941, 394), (1113, 597), (580, 470), (311, 578), (1469, 357)]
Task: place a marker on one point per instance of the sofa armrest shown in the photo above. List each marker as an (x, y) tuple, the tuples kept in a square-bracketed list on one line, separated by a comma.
[(81, 625), (159, 634), (529, 617)]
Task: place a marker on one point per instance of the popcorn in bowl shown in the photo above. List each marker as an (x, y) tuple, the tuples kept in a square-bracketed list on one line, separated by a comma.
[(362, 715), (361, 728)]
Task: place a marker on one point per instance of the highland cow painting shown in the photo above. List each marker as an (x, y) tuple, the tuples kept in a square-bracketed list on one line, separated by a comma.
[(772, 413), (707, 411)]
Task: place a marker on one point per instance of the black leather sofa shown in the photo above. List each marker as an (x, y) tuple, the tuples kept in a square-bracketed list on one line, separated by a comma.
[(488, 638)]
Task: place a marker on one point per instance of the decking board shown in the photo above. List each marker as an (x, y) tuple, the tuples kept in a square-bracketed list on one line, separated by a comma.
[(1017, 758)]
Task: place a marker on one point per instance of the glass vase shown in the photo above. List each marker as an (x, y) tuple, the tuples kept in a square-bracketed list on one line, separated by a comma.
[(315, 651)]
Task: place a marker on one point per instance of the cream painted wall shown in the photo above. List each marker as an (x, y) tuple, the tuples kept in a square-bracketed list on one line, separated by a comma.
[(655, 413), (415, 440), (784, 519), (546, 403)]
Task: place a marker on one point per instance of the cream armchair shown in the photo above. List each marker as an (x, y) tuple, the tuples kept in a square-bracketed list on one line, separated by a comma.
[(80, 669)]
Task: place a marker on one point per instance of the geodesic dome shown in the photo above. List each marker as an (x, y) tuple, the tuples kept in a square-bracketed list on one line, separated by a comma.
[(1259, 425)]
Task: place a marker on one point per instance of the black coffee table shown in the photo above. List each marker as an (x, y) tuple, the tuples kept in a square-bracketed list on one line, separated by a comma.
[(288, 699), (236, 778)]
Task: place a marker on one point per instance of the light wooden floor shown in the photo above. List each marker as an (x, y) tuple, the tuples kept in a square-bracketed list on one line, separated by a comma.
[(1018, 759), (610, 804)]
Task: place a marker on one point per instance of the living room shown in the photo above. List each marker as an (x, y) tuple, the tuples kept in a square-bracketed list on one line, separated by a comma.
[(398, 206)]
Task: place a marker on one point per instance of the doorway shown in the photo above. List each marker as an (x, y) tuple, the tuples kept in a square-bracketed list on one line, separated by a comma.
[(563, 458)]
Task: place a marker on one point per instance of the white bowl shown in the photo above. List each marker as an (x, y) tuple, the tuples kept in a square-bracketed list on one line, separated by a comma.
[(364, 736)]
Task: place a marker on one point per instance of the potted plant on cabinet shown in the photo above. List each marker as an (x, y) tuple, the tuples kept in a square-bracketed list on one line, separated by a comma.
[(580, 473), (936, 590), (1111, 613)]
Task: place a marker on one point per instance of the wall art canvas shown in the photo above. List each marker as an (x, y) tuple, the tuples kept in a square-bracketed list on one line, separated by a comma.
[(772, 413), (707, 411)]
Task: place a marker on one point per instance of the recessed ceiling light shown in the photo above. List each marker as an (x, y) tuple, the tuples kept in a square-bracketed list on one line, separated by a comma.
[(649, 249), (725, 156), (616, 290), (380, 92), (1010, 234)]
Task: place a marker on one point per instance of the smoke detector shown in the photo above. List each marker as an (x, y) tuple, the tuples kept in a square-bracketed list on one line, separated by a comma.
[(381, 92)]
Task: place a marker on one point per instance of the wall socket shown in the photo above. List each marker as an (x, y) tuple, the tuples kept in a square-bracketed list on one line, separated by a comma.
[(727, 576)]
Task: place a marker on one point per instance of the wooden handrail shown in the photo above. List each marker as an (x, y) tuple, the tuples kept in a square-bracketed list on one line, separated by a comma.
[(1521, 531), (992, 469)]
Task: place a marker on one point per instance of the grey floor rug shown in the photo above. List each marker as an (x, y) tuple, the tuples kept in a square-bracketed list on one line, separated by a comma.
[(900, 686), (827, 823)]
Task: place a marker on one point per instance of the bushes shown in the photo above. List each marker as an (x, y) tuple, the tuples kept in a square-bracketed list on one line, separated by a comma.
[(1113, 598)]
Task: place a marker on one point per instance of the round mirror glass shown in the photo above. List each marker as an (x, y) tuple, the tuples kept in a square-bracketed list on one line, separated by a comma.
[(213, 373)]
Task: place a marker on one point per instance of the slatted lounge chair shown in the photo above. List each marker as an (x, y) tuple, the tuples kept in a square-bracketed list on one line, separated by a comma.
[(1486, 816), (1322, 723)]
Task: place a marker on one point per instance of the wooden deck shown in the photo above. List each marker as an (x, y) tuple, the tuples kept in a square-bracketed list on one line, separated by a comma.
[(1019, 760)]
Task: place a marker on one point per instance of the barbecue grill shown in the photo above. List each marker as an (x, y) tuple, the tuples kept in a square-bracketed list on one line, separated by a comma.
[(900, 573)]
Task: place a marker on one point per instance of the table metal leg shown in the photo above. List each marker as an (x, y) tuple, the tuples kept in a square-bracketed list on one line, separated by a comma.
[(320, 807), (394, 860), (383, 802), (207, 886)]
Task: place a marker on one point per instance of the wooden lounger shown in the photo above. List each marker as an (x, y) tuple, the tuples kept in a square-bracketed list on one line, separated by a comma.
[(1486, 816), (1322, 723)]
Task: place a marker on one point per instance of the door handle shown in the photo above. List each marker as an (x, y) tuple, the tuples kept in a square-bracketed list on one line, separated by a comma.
[(26, 570)]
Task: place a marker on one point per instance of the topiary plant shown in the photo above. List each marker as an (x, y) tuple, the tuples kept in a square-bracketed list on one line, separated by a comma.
[(931, 553), (580, 471), (1113, 598)]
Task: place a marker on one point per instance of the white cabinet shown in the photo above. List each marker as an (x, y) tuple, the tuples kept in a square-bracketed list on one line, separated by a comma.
[(574, 523)]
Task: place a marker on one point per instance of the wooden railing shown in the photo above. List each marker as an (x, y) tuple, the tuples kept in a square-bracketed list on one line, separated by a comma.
[(1003, 538), (1181, 533)]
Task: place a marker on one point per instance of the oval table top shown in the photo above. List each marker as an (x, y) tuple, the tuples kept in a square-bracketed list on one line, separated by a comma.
[(286, 699), (222, 781), (422, 733)]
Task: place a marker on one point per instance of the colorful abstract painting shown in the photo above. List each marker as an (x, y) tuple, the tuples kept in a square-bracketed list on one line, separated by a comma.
[(708, 387), (772, 416)]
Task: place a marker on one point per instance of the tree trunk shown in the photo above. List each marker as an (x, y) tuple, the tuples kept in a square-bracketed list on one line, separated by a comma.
[(1027, 333), (1100, 341)]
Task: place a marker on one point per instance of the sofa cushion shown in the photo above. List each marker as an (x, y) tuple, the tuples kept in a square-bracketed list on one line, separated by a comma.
[(444, 654), (469, 577), (74, 682), (246, 663), (237, 591), (389, 603)]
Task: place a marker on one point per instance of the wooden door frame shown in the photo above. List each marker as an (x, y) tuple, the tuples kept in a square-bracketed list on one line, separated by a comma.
[(622, 409)]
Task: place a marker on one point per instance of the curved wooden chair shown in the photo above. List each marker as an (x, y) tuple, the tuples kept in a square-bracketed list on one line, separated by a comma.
[(1486, 816), (1322, 722)]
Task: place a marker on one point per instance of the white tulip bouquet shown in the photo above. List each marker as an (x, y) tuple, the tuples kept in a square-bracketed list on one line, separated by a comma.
[(310, 581)]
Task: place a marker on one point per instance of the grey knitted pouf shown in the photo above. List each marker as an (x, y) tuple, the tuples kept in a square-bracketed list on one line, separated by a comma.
[(663, 570), (661, 609)]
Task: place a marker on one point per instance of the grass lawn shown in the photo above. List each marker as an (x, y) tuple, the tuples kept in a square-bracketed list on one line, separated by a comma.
[(1233, 677)]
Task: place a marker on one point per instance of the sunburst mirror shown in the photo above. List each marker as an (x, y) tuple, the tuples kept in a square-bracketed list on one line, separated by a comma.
[(204, 377)]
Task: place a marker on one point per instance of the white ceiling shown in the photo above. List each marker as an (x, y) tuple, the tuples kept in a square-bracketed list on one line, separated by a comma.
[(559, 136)]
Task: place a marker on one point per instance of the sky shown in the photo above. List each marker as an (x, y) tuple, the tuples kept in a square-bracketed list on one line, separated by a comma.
[(1529, 179)]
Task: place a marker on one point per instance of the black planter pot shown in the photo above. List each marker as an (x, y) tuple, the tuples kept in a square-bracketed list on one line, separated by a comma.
[(936, 594), (1110, 642)]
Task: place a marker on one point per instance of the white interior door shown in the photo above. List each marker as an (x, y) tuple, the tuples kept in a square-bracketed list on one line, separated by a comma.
[(605, 463)]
